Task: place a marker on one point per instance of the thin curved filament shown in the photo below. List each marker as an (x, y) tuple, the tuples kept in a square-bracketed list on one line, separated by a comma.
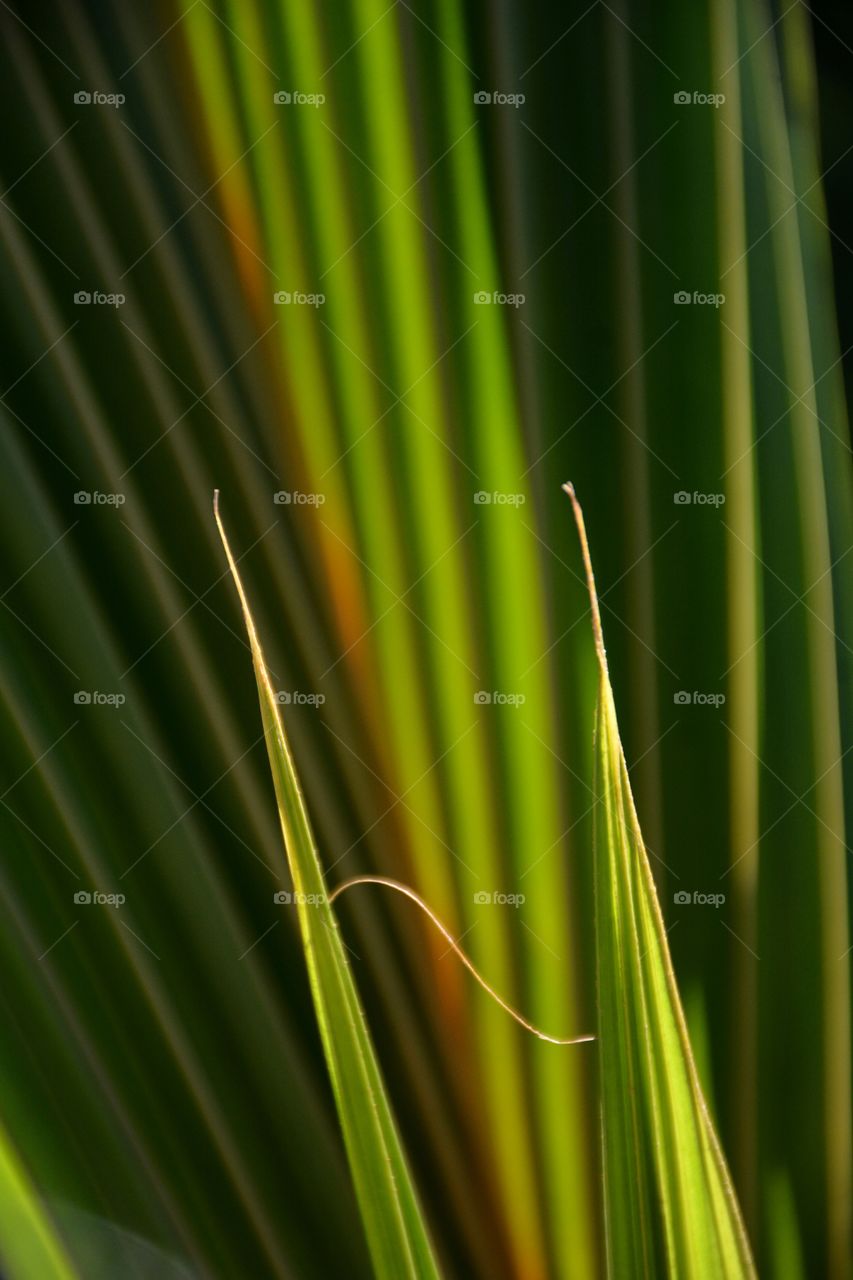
[(454, 946)]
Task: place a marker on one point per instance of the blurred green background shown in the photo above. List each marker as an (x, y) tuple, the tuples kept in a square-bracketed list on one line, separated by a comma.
[(162, 1078)]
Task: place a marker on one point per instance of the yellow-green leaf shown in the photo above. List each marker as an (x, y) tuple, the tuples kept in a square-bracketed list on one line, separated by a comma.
[(669, 1203), (396, 1232)]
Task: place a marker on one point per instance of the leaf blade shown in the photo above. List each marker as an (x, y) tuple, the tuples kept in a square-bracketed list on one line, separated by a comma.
[(396, 1233), (30, 1247), (657, 1132)]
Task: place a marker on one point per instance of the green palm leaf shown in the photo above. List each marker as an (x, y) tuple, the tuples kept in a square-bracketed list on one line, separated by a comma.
[(396, 1232), (670, 1205), (163, 1084), (29, 1246)]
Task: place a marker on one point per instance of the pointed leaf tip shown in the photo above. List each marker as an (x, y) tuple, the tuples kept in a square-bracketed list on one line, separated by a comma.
[(597, 632)]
